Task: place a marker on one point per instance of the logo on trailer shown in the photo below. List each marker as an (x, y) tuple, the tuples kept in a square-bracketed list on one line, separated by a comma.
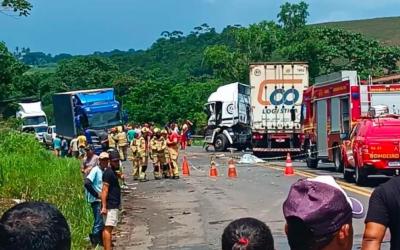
[(230, 109), (257, 72), (284, 97)]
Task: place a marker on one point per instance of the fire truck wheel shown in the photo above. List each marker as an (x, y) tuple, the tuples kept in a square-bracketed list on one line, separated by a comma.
[(337, 160), (312, 162), (220, 143), (360, 176), (348, 175)]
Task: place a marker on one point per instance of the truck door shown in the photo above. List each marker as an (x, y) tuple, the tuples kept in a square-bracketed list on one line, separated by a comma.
[(322, 135)]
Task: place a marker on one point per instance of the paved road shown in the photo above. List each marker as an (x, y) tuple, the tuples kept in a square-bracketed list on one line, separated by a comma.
[(192, 212)]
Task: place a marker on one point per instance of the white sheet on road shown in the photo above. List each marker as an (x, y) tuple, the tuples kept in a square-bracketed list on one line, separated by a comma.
[(250, 159)]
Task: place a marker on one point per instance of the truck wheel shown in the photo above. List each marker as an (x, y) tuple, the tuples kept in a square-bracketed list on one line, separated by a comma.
[(348, 175), (361, 177), (220, 143), (311, 162), (337, 160)]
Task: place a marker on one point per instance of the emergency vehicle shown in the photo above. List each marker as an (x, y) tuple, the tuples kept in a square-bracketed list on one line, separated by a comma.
[(372, 148), (276, 98), (333, 106)]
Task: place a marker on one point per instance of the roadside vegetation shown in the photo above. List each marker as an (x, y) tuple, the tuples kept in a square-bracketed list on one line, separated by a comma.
[(29, 172)]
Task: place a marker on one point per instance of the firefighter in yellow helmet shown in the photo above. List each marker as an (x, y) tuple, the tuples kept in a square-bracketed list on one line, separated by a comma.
[(167, 169), (135, 157), (173, 149), (122, 140), (143, 153), (158, 146)]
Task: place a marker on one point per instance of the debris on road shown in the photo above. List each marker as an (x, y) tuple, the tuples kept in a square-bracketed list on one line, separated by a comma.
[(250, 159)]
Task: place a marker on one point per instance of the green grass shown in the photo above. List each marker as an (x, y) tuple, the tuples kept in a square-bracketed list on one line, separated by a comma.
[(47, 68), (384, 29), (29, 172)]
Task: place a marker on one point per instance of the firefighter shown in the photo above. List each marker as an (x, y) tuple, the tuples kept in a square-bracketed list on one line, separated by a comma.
[(122, 143), (173, 148), (143, 153), (135, 157), (166, 165), (156, 144), (111, 141)]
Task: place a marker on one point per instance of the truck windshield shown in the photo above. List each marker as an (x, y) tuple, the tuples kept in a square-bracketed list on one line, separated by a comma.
[(40, 129), (34, 120), (104, 119)]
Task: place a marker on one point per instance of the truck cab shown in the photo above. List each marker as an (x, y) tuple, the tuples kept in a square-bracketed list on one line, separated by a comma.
[(33, 118), (228, 111), (372, 148)]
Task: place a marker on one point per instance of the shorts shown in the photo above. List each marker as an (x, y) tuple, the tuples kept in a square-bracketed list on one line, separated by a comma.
[(111, 219)]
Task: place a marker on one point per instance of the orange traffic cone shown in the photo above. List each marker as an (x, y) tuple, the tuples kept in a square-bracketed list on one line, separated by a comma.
[(232, 169), (213, 170), (185, 167), (289, 166)]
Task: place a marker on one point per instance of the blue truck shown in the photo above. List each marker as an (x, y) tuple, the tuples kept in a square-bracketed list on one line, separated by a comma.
[(91, 111)]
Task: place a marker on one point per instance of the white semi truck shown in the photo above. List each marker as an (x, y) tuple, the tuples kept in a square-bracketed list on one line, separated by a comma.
[(229, 117), (33, 118), (276, 98)]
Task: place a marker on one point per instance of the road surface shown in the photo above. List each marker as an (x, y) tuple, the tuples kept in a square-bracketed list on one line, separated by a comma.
[(191, 213)]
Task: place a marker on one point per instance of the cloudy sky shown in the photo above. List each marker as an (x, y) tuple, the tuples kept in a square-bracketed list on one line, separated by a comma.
[(85, 26)]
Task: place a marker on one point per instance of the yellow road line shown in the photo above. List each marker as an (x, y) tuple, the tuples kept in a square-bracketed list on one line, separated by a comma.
[(344, 185)]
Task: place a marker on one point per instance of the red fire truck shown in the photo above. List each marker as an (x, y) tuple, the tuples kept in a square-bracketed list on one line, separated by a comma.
[(333, 105)]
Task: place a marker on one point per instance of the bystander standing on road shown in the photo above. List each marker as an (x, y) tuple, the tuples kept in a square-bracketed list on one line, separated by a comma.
[(34, 226), (319, 215), (73, 147), (57, 145), (64, 147), (110, 198), (89, 161), (103, 138), (131, 134), (82, 143), (383, 213), (249, 234), (93, 186)]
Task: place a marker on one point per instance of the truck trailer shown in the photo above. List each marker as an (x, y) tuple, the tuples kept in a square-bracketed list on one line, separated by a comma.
[(228, 111), (90, 111), (276, 97)]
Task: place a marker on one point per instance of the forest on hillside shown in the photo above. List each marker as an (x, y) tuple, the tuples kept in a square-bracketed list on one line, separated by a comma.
[(173, 78)]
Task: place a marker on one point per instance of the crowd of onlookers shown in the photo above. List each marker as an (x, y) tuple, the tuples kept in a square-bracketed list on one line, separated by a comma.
[(318, 215)]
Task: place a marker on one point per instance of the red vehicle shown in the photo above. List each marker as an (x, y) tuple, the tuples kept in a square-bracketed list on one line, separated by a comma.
[(373, 148), (333, 106)]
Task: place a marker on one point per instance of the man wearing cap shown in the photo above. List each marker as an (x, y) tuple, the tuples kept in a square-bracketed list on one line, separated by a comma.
[(110, 198), (319, 215), (90, 160), (93, 187)]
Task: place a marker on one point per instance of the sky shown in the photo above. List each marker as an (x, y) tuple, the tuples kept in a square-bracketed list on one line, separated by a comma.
[(86, 26)]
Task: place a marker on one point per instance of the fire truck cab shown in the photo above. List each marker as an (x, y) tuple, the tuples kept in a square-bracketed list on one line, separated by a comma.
[(333, 106)]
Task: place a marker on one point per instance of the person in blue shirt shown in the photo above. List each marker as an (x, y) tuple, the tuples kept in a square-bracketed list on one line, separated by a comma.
[(57, 145), (93, 187)]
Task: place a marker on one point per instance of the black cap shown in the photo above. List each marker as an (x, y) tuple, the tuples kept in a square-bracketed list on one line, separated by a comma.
[(113, 153)]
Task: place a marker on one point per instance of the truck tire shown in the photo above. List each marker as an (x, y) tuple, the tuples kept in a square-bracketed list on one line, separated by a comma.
[(360, 176), (220, 143), (311, 162), (348, 175), (337, 160)]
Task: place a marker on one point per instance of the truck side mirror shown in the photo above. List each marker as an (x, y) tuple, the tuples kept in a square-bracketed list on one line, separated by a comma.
[(293, 114), (344, 136)]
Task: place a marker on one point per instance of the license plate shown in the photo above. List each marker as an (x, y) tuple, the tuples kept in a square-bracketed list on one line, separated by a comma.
[(394, 164)]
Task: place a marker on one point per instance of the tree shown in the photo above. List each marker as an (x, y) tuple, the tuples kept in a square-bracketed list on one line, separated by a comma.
[(23, 7), (293, 16)]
